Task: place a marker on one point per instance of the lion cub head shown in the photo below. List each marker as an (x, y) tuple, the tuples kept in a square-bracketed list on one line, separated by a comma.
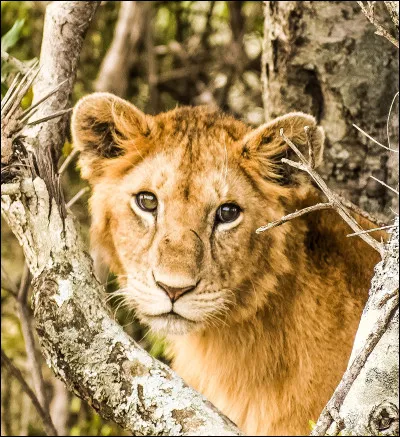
[(176, 200)]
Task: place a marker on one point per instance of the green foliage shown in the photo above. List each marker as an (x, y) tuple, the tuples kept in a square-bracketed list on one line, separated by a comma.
[(12, 36), (14, 65), (158, 346)]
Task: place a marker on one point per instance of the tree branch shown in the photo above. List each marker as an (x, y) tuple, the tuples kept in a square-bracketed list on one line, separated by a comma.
[(45, 416), (380, 30), (122, 54), (27, 332), (65, 26)]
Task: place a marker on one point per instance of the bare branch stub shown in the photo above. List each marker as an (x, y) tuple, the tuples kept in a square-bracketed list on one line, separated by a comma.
[(293, 215), (77, 196), (67, 161)]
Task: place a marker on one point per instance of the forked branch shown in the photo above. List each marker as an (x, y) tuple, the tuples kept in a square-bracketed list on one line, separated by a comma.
[(334, 201), (369, 12)]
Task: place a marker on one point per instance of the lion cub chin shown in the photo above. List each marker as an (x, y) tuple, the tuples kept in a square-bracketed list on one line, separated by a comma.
[(261, 324)]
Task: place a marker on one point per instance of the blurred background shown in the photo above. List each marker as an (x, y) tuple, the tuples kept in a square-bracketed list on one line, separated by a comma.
[(322, 58)]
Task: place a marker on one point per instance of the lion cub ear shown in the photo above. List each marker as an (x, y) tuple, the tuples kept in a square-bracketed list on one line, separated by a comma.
[(103, 126), (266, 146)]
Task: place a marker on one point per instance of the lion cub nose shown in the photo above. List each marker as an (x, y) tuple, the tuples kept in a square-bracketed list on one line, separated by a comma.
[(175, 293)]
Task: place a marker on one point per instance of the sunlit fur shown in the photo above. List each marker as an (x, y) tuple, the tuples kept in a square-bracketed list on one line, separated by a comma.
[(267, 331)]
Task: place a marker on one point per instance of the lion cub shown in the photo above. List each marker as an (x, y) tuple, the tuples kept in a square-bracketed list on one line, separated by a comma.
[(261, 324)]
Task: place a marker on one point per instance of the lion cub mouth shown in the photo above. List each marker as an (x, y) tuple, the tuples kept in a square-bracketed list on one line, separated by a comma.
[(172, 315), (170, 323)]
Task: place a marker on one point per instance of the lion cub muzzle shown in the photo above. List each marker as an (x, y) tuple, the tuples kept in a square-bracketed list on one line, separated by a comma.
[(179, 262)]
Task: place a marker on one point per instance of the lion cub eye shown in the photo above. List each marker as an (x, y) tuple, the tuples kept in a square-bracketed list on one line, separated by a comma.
[(228, 213), (146, 201)]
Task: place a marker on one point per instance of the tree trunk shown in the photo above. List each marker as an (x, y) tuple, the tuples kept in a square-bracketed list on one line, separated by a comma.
[(122, 54), (372, 404), (323, 58), (366, 401)]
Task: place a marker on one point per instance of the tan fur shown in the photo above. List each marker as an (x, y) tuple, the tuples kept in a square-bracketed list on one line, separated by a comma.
[(267, 332)]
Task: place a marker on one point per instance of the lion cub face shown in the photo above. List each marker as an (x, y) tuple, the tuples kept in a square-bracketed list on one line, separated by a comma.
[(176, 201)]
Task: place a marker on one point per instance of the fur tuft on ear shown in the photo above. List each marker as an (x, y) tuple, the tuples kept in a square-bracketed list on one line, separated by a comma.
[(103, 127), (265, 145)]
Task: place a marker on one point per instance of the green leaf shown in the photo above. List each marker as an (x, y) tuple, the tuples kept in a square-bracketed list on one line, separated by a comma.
[(12, 36), (312, 424)]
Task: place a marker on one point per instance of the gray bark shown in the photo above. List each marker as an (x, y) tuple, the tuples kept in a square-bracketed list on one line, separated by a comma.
[(324, 58), (372, 404)]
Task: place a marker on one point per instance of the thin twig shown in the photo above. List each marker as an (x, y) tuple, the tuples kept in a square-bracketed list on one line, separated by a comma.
[(207, 28), (10, 90), (45, 416), (28, 112), (370, 230), (27, 332), (294, 215), (14, 62), (311, 156), (332, 197), (373, 139), (388, 119), (334, 404), (24, 285), (77, 196), (355, 208), (67, 161), (380, 30), (385, 185), (6, 395), (13, 101), (50, 117), (393, 8), (334, 200)]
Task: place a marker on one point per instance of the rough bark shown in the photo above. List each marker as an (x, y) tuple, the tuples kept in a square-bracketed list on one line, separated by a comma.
[(327, 61), (64, 30), (372, 404), (366, 402)]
